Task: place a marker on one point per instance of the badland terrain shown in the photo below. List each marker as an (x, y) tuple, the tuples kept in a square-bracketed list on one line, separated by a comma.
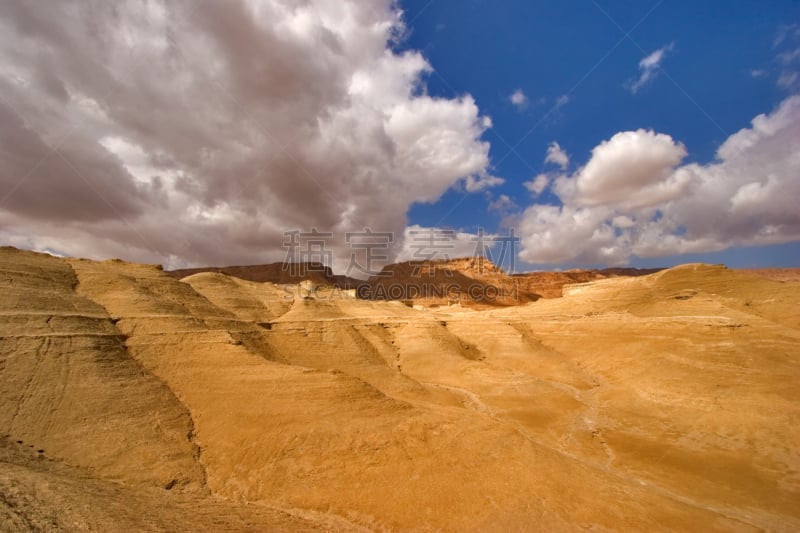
[(239, 400)]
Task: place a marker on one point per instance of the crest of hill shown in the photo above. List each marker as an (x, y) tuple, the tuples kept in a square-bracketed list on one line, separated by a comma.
[(278, 273), (476, 281), (685, 289), (775, 274), (550, 284), (470, 281)]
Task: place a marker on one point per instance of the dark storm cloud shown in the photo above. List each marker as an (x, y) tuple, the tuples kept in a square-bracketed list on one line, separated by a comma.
[(201, 131)]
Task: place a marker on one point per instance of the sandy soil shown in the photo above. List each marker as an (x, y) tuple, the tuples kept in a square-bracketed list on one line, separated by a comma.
[(777, 274)]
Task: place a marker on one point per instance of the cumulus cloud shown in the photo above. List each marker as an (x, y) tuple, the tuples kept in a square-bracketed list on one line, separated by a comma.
[(557, 156), (633, 169), (634, 197), (648, 68), (198, 132), (519, 99)]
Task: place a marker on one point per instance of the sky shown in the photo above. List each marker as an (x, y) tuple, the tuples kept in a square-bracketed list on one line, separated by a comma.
[(548, 135)]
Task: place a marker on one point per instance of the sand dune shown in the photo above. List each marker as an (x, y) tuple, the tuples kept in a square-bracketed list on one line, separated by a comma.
[(658, 402)]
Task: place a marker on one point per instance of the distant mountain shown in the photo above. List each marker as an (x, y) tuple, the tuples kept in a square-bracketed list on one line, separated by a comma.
[(471, 281), (549, 284), (279, 273), (476, 281)]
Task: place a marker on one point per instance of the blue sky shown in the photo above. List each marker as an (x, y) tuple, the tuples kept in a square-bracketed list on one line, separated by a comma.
[(719, 72), (604, 133)]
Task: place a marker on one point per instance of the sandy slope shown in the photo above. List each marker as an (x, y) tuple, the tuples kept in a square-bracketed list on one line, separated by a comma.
[(41, 494), (668, 401)]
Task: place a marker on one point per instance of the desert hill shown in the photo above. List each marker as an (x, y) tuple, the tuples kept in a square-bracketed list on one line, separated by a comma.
[(472, 281), (477, 282), (284, 273), (550, 284), (777, 274), (132, 399)]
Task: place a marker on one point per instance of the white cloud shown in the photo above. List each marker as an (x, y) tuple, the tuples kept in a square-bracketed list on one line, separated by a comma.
[(538, 184), (790, 56), (623, 222), (519, 99), (557, 156), (786, 32), (555, 234), (480, 182), (648, 68), (438, 243), (502, 204), (784, 68), (634, 198), (788, 79), (200, 132), (633, 168)]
